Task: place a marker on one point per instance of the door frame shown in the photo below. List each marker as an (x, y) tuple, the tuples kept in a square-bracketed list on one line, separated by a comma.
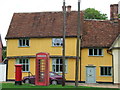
[(94, 73)]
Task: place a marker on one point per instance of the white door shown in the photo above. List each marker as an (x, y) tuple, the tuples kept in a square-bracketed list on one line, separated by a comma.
[(90, 74)]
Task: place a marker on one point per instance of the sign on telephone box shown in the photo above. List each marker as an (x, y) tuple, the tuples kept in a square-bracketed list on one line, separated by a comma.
[(42, 69)]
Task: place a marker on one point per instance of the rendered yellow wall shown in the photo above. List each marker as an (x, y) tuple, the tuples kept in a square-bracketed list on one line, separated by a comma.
[(105, 60), (11, 68), (45, 45), (40, 45), (70, 75)]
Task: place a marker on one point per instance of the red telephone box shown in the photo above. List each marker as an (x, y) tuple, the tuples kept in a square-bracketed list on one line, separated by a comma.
[(42, 69)]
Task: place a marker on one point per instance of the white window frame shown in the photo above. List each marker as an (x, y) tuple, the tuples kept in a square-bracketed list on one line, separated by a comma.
[(104, 70), (97, 52), (57, 40), (18, 62), (54, 63), (22, 45)]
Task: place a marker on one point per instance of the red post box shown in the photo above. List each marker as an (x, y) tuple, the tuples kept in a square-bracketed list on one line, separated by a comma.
[(18, 74), (42, 69)]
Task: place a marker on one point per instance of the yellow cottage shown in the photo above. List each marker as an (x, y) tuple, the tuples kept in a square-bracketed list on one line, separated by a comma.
[(31, 33)]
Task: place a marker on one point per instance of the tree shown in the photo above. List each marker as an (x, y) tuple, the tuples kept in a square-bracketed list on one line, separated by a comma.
[(4, 53), (91, 13)]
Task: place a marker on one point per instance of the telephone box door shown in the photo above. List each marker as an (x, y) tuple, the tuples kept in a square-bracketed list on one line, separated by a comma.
[(42, 69)]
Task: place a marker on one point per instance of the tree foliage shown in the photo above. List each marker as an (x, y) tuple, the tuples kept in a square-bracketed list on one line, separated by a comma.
[(4, 53), (91, 13)]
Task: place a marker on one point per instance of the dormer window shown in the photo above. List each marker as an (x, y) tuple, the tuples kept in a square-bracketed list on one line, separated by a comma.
[(24, 43), (57, 42)]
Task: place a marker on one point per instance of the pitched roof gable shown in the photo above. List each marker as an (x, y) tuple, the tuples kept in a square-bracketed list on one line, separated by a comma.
[(43, 24)]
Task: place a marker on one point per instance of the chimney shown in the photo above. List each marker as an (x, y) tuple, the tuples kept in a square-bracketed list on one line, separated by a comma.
[(63, 8), (114, 12), (68, 8)]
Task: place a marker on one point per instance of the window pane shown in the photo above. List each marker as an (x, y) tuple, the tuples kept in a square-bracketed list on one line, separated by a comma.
[(20, 42), (27, 42), (23, 67), (102, 71), (27, 68), (65, 68), (105, 70), (60, 61), (53, 68), (61, 68), (26, 60), (57, 68), (57, 61), (109, 71), (95, 51), (23, 60), (20, 61), (23, 42), (54, 62), (90, 51), (100, 51)]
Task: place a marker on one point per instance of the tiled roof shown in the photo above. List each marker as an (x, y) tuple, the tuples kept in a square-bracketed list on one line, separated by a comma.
[(44, 24), (50, 24), (99, 33)]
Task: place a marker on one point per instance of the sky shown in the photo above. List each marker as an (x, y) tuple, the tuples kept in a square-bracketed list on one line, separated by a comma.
[(9, 7)]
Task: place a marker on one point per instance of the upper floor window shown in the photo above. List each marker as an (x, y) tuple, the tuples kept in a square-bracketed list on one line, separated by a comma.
[(106, 71), (25, 64), (57, 42), (95, 52), (24, 43)]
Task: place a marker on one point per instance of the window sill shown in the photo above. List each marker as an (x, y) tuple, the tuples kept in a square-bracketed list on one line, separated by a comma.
[(23, 46), (60, 72), (56, 46), (25, 71), (95, 55), (106, 75)]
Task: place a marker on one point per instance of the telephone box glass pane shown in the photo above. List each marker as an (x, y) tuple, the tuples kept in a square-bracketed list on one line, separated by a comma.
[(41, 70)]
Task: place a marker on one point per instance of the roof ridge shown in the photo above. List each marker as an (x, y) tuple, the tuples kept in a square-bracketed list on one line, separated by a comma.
[(41, 12)]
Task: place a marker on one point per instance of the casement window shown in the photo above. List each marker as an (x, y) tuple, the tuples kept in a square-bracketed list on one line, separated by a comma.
[(24, 43), (57, 42), (57, 65), (106, 71), (25, 64), (95, 52)]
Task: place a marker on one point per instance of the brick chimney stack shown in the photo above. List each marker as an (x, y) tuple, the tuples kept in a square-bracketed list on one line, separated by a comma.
[(113, 11), (68, 8)]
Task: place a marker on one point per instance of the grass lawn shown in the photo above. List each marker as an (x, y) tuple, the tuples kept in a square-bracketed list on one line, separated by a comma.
[(12, 85)]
